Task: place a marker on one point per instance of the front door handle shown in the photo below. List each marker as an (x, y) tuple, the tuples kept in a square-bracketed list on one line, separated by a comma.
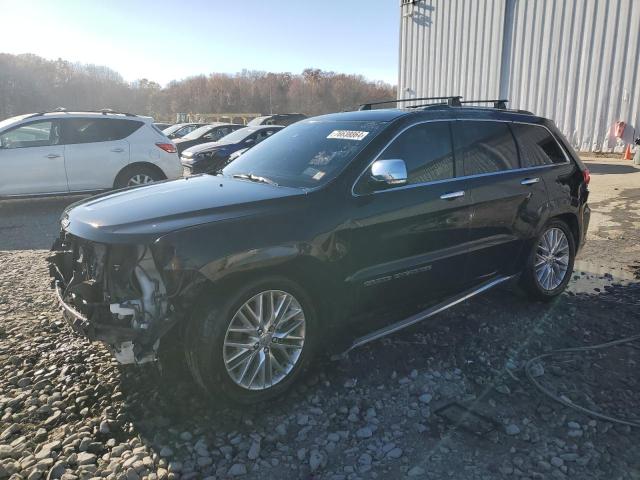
[(117, 150), (452, 195), (53, 155), (529, 181)]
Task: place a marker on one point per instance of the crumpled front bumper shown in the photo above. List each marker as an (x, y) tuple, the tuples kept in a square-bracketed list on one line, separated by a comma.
[(77, 321), (86, 309)]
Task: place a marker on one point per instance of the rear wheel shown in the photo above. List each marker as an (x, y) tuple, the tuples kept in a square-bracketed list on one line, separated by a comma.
[(137, 175), (253, 344), (550, 262)]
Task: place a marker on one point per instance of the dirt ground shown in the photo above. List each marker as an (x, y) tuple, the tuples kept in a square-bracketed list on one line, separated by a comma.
[(614, 235), (446, 399)]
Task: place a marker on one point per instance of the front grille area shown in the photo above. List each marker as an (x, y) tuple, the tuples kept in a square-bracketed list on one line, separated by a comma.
[(90, 276)]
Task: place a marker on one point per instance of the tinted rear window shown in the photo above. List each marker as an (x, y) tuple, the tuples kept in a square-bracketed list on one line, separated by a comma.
[(537, 146), (485, 147), (90, 130)]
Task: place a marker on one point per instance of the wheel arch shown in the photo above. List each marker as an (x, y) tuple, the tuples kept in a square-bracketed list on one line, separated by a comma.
[(308, 272), (571, 220), (132, 166)]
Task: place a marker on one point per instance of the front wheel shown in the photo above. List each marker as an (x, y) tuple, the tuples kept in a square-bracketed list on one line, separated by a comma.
[(253, 344), (550, 263)]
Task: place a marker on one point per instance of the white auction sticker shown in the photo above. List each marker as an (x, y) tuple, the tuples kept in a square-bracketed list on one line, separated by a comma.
[(348, 134)]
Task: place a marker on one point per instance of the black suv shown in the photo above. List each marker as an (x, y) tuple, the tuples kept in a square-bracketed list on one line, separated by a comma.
[(331, 233)]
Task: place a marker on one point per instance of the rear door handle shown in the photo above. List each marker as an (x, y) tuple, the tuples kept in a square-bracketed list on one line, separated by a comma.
[(529, 181), (53, 155), (117, 150), (452, 195)]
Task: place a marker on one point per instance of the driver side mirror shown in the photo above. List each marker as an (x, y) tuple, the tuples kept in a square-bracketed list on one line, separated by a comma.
[(388, 173)]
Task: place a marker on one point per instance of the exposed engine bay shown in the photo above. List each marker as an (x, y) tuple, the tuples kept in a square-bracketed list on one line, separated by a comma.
[(114, 294)]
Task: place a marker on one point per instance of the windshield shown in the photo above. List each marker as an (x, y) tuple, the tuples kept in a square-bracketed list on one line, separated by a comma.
[(198, 132), (257, 121), (172, 128), (12, 120), (306, 154), (238, 135)]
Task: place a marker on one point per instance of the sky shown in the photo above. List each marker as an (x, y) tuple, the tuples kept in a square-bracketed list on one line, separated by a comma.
[(166, 40)]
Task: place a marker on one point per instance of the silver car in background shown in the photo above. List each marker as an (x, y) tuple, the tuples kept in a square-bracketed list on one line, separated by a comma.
[(63, 152)]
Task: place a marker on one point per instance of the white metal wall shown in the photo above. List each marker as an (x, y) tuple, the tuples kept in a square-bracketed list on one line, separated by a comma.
[(574, 61)]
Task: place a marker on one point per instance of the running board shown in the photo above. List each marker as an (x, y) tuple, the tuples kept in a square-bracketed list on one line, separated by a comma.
[(418, 317)]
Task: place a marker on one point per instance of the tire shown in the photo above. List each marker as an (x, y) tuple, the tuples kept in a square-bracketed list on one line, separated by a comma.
[(213, 362), (544, 283), (137, 175)]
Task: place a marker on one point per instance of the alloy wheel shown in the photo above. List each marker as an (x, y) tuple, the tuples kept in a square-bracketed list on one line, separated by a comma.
[(552, 259), (264, 340), (139, 179)]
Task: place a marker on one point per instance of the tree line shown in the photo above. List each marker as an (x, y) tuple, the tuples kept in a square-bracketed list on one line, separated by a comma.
[(29, 83)]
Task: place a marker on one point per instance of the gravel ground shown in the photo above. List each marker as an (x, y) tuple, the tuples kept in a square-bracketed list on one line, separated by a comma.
[(444, 399)]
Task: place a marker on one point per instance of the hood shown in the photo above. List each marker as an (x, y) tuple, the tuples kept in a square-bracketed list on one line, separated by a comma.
[(143, 214)]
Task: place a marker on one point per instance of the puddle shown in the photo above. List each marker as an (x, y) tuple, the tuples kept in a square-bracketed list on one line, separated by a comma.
[(591, 278)]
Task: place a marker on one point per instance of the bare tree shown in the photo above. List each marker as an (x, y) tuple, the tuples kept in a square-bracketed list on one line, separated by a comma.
[(29, 83)]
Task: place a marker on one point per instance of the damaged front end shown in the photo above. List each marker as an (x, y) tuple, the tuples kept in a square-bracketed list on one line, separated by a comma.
[(114, 294)]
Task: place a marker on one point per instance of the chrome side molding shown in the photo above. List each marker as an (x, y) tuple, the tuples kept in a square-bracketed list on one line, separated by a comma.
[(429, 312)]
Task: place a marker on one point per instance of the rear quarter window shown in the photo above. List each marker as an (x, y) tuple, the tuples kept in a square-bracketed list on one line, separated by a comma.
[(92, 130), (537, 146)]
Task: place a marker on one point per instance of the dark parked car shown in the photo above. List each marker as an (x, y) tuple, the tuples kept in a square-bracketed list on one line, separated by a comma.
[(311, 239), (211, 157), (205, 134), (179, 130), (284, 119)]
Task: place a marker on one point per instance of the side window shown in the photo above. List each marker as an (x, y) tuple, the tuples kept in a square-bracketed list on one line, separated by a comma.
[(222, 132), (263, 134), (36, 134), (426, 150), (92, 130), (213, 135), (537, 145), (485, 147)]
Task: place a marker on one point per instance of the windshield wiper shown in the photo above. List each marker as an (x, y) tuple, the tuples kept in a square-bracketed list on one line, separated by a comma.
[(254, 178)]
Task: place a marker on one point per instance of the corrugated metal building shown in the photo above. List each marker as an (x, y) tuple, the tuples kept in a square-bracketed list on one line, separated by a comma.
[(574, 61)]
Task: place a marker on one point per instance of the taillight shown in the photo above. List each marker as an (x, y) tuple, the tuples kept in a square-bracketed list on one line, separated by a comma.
[(586, 176), (167, 147)]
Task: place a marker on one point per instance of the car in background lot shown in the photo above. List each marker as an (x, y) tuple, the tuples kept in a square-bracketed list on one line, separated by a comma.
[(237, 154), (207, 133), (61, 152), (284, 119), (333, 233), (179, 130), (211, 157), (162, 126)]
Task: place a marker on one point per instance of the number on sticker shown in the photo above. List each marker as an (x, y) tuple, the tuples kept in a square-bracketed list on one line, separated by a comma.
[(348, 134)]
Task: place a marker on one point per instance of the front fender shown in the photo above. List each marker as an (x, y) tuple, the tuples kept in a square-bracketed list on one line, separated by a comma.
[(303, 247)]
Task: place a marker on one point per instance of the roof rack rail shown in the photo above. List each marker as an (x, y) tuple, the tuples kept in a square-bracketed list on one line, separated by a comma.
[(498, 103), (453, 101), (103, 111)]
